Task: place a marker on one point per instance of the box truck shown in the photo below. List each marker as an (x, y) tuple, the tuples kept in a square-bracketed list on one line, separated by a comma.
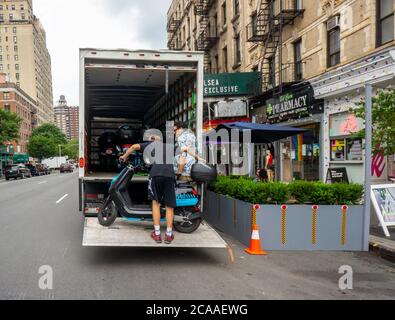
[(133, 89)]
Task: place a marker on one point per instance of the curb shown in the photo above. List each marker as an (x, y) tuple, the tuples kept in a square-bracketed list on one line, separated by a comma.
[(385, 248)]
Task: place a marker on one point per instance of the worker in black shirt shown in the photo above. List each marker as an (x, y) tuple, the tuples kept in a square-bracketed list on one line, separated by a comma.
[(161, 187)]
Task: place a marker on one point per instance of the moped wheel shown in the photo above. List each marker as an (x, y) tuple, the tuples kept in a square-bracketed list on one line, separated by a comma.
[(108, 214), (189, 226)]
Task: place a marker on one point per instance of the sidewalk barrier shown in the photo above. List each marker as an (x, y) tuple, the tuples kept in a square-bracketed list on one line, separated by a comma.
[(255, 244)]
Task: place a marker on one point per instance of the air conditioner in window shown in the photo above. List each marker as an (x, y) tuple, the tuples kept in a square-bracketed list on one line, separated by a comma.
[(333, 23)]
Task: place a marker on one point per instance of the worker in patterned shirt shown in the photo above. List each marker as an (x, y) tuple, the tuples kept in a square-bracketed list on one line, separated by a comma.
[(186, 148)]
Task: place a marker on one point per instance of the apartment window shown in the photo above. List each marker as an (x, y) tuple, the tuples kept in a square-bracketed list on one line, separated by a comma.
[(215, 24), (237, 50), (11, 17), (16, 57), (1, 7), (224, 14), (299, 4), (1, 67), (1, 17), (237, 7), (14, 29), (298, 60), (7, 107), (22, 7), (13, 7), (385, 29), (15, 39), (6, 96), (15, 48), (17, 76), (17, 67), (225, 59), (334, 47)]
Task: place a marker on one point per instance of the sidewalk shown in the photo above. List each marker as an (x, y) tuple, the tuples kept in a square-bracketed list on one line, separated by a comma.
[(385, 247)]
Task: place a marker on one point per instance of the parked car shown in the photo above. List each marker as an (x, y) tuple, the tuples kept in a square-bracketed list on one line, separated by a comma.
[(66, 167), (33, 169), (43, 169), (17, 171)]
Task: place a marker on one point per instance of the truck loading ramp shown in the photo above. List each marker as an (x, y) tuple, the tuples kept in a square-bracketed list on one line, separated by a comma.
[(126, 233)]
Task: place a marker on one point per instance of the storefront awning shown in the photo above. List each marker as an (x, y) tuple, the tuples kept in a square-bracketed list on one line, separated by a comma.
[(262, 133)]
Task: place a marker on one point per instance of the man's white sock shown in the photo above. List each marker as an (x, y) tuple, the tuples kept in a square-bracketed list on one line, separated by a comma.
[(157, 230), (169, 231)]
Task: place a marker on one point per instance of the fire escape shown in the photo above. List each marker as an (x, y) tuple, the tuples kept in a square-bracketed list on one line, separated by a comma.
[(172, 28), (208, 35), (267, 29)]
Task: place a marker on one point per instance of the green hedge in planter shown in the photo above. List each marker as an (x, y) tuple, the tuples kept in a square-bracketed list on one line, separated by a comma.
[(303, 192)]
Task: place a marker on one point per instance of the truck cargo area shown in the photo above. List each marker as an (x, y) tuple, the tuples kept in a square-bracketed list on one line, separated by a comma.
[(137, 234), (132, 93), (137, 89)]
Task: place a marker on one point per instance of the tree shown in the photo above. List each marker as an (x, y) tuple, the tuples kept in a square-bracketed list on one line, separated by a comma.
[(42, 147), (383, 117), (10, 124), (51, 131), (71, 149), (45, 141)]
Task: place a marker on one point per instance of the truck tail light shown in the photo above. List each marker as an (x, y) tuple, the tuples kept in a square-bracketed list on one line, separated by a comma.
[(82, 163)]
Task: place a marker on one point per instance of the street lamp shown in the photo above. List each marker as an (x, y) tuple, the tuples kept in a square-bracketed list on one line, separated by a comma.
[(60, 155)]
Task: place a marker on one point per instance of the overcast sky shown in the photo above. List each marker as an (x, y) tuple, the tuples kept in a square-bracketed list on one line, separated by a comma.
[(75, 24)]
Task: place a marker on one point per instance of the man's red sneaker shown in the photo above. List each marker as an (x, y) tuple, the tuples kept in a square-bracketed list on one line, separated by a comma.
[(169, 239), (156, 238)]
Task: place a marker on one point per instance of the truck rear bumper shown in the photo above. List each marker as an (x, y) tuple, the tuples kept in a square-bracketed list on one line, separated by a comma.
[(137, 234)]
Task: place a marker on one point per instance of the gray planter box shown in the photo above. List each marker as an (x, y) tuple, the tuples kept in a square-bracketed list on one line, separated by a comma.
[(234, 218)]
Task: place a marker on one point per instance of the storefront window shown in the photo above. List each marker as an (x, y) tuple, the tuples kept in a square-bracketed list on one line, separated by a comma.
[(347, 149), (305, 156), (338, 150), (344, 146), (354, 150)]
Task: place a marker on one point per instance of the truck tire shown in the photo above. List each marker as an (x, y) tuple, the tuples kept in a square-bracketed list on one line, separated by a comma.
[(108, 213), (187, 227)]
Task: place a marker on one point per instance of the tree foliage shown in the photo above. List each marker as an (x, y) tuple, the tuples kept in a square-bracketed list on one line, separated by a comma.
[(45, 141), (383, 119), (42, 147), (10, 124), (51, 131), (71, 149)]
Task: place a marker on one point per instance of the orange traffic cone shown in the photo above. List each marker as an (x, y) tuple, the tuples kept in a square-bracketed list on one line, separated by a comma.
[(255, 246)]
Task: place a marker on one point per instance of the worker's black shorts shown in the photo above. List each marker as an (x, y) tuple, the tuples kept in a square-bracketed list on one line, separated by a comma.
[(162, 190)]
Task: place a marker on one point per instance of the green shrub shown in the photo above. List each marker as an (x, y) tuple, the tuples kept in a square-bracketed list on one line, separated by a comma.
[(323, 194), (248, 190), (302, 190), (348, 193)]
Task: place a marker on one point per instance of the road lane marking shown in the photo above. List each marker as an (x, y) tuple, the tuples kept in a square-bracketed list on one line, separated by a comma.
[(62, 198), (43, 182)]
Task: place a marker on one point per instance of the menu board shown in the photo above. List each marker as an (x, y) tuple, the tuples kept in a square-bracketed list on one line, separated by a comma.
[(383, 199), (337, 175)]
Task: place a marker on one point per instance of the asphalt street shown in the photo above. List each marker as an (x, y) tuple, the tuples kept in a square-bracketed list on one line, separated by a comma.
[(41, 226)]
